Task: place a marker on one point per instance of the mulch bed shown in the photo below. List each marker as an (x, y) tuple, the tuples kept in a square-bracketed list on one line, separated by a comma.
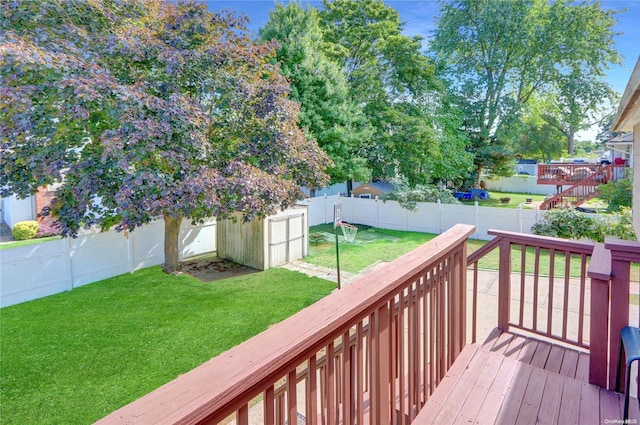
[(210, 268)]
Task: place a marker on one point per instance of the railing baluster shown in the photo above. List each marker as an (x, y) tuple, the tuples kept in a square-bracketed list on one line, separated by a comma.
[(269, 414), (536, 274), (504, 285), (523, 263), (413, 348), (347, 376), (361, 373), (292, 399), (242, 417), (474, 313), (581, 309), (312, 392), (552, 261), (398, 363), (432, 329), (331, 385), (565, 305)]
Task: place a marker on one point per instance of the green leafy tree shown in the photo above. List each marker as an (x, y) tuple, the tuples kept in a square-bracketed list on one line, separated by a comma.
[(395, 84), (579, 101), (143, 109), (327, 112), (503, 52), (537, 138)]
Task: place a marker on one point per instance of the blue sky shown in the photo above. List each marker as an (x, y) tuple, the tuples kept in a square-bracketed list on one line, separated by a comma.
[(419, 18)]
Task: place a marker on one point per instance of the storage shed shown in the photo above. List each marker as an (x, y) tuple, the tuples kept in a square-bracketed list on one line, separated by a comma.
[(265, 243), (372, 189)]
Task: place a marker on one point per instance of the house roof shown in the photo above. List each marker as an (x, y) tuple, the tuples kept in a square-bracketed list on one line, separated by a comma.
[(623, 139), (629, 110), (382, 186)]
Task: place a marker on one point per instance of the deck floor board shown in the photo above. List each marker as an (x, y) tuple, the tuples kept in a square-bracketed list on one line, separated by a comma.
[(513, 379)]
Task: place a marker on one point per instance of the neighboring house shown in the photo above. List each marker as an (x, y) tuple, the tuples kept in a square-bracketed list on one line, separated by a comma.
[(627, 119), (372, 189), (621, 148), (15, 210)]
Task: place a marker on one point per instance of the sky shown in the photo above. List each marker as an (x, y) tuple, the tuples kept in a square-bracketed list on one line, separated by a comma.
[(419, 18)]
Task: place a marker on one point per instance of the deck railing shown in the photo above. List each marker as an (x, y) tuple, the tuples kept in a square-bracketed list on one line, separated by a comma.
[(569, 291), (542, 285), (578, 193), (372, 352), (569, 173), (610, 273)]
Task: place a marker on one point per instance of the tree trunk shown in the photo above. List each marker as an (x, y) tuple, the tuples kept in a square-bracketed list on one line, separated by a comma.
[(570, 139), (349, 187), (171, 235)]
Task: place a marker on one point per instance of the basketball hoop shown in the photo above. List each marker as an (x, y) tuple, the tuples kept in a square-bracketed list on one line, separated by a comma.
[(349, 232)]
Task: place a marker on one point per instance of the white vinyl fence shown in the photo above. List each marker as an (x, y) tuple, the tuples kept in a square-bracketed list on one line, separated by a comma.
[(429, 217), (35, 271)]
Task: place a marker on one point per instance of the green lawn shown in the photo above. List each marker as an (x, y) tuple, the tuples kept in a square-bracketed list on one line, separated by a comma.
[(74, 357), (387, 245), (515, 199), (15, 244), (381, 245)]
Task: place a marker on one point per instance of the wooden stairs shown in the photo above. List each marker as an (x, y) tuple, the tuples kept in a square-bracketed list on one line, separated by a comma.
[(583, 189)]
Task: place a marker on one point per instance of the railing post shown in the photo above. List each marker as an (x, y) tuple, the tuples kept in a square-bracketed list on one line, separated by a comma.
[(621, 258), (600, 274), (504, 285)]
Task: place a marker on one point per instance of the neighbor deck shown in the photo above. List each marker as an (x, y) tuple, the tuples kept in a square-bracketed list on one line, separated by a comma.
[(511, 379)]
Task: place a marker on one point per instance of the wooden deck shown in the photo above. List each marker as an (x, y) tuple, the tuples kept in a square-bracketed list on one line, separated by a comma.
[(511, 379)]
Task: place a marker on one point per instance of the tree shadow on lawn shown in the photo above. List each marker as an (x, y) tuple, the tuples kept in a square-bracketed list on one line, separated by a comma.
[(208, 268)]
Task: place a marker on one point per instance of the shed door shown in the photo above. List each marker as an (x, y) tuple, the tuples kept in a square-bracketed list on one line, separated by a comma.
[(286, 239)]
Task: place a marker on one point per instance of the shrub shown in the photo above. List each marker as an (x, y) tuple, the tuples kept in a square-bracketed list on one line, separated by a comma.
[(567, 223), (48, 228), (408, 197), (617, 193), (25, 230)]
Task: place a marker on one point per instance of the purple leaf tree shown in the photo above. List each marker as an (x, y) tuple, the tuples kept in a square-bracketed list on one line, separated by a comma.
[(144, 109)]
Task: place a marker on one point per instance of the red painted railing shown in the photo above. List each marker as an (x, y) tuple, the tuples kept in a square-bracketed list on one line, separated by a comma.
[(584, 182), (542, 285), (372, 352), (610, 273), (569, 173), (544, 289)]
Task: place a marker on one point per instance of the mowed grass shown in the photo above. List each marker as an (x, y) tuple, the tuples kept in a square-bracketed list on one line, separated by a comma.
[(515, 199), (391, 244), (381, 245), (74, 357), (15, 244)]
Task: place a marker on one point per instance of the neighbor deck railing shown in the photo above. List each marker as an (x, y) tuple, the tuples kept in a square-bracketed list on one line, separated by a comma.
[(372, 352), (569, 173)]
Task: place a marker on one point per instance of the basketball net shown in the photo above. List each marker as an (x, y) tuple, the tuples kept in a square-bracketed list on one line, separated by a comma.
[(348, 231)]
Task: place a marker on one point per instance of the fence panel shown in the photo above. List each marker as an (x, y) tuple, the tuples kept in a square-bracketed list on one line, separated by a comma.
[(98, 255), (34, 271), (428, 217), (197, 239), (48, 268), (452, 214), (147, 245), (425, 219)]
